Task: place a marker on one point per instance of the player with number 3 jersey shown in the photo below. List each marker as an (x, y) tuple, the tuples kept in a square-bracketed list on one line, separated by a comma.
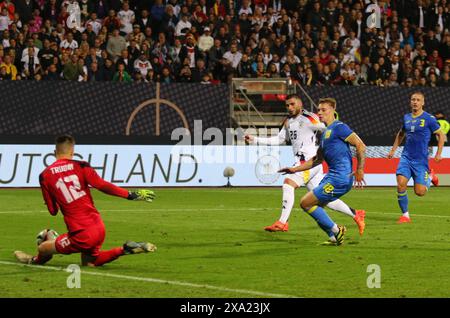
[(418, 127)]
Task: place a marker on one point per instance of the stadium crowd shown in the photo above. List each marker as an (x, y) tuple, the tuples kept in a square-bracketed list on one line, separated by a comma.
[(321, 42)]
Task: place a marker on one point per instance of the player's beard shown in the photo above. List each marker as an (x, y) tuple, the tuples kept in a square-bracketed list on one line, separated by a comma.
[(293, 115)]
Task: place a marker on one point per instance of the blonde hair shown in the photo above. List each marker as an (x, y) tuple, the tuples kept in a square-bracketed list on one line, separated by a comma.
[(328, 100)]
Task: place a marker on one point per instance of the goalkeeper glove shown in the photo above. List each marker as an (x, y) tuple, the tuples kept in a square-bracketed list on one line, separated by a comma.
[(141, 195)]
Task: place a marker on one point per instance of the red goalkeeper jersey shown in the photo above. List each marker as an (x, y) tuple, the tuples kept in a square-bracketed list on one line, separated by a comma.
[(65, 186)]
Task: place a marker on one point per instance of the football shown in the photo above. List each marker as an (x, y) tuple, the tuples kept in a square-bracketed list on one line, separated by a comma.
[(44, 235)]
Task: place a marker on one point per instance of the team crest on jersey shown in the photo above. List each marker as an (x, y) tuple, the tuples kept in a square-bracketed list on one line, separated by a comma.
[(327, 134)]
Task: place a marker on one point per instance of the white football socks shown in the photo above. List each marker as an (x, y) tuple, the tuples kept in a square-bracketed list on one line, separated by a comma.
[(340, 206), (335, 229), (288, 202)]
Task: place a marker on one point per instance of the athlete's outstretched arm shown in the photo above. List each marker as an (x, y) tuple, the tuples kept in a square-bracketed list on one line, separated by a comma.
[(276, 140), (398, 141), (95, 181), (311, 163), (354, 140)]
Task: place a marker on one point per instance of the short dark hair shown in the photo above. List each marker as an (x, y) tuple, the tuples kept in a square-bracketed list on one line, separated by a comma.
[(328, 100), (64, 143), (293, 96)]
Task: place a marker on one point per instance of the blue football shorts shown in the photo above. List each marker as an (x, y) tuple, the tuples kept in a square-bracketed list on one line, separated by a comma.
[(415, 170), (333, 187)]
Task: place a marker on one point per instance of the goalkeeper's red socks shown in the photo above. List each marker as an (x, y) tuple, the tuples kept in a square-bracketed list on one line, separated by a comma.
[(108, 256), (41, 259)]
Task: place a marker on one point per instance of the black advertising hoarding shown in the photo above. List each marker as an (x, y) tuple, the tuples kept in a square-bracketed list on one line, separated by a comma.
[(376, 113), (105, 112), (30, 109)]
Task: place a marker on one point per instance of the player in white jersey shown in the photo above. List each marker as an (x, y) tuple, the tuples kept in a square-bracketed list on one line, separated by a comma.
[(301, 129)]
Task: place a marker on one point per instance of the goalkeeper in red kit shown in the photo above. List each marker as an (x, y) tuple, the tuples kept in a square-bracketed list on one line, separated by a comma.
[(65, 187)]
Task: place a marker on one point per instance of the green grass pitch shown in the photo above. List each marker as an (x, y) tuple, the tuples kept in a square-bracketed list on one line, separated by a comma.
[(211, 243)]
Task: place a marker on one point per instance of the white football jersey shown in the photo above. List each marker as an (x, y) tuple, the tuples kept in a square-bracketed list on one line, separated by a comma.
[(301, 131)]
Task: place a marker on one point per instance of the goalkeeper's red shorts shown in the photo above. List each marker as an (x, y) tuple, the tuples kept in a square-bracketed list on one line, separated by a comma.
[(86, 241)]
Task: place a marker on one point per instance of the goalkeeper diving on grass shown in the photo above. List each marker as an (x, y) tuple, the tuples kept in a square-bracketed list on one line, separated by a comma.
[(65, 187)]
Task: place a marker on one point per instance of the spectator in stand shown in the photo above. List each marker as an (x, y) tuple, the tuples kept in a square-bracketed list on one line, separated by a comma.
[(219, 9), (72, 70), (95, 73), (133, 50), (444, 80), (161, 48), (5, 21), (84, 71), (36, 21), (52, 74), (144, 20), (169, 22), (215, 54), (25, 8), (9, 6), (224, 37), (68, 44), (232, 58), (125, 59), (136, 35), (205, 41), (435, 58), (143, 65), (272, 71), (108, 70), (91, 56), (166, 76), (185, 74), (95, 23), (10, 70), (245, 67), (51, 11), (190, 51), (116, 44), (122, 75), (151, 77), (183, 26), (199, 71), (47, 54), (324, 36), (157, 64), (127, 19), (112, 22), (157, 14)]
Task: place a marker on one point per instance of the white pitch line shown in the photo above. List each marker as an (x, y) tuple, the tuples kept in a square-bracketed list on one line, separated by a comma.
[(147, 210), (206, 209), (156, 280), (413, 214)]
